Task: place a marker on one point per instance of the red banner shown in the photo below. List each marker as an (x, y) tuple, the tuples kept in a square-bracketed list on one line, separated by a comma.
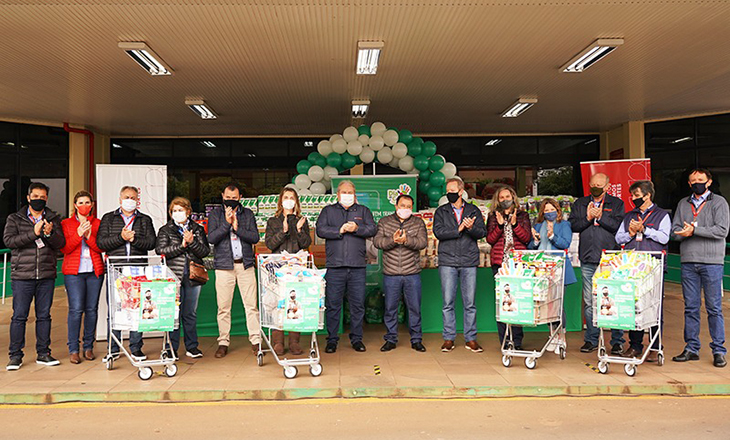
[(621, 174)]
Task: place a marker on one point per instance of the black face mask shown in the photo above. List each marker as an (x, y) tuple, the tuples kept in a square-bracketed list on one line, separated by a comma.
[(596, 192), (452, 197), (699, 188), (637, 202), (233, 204), (37, 205)]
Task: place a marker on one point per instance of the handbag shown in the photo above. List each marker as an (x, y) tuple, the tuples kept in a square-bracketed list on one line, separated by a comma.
[(198, 273)]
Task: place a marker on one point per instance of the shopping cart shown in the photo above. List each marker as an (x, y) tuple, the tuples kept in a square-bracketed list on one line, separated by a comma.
[(530, 292), (638, 306), (142, 297), (291, 298)]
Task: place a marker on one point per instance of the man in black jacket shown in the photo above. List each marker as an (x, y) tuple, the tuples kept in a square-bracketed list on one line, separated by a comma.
[(596, 217), (34, 236), (126, 232)]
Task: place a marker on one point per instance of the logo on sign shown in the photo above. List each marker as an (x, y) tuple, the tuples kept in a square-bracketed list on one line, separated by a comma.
[(393, 194)]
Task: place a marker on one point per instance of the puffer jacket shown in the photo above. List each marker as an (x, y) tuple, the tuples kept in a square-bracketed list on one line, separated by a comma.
[(345, 250), (109, 239), (169, 244), (458, 249), (28, 262), (401, 259), (521, 235), (219, 234), (595, 238), (291, 241)]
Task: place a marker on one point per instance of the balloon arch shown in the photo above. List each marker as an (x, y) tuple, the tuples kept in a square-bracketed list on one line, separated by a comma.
[(398, 149)]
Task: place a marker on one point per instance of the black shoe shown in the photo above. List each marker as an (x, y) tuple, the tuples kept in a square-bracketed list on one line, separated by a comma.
[(617, 350), (358, 346), (15, 363), (194, 353), (518, 348), (719, 360), (46, 359), (588, 348), (418, 346), (386, 347), (139, 356), (686, 356), (106, 357), (169, 354), (331, 347)]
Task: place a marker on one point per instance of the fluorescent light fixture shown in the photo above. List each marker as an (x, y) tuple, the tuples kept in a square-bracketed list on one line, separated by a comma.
[(368, 54), (589, 141), (360, 109), (492, 142), (208, 144), (140, 52), (250, 155), (591, 54), (680, 140), (308, 144), (200, 108), (519, 107), (116, 146)]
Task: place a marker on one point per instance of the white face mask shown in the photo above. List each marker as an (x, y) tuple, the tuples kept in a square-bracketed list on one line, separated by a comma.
[(288, 204), (179, 216), (347, 200), (404, 213), (129, 205)]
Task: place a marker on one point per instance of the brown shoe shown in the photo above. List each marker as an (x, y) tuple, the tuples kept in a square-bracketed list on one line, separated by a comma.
[(89, 355), (474, 346), (277, 340), (652, 356), (255, 348), (448, 346), (222, 351), (74, 358), (631, 353), (294, 346)]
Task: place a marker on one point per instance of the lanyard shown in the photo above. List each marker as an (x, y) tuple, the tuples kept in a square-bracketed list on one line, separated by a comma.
[(646, 216), (458, 216), (696, 212), (131, 220), (603, 200), (33, 219)]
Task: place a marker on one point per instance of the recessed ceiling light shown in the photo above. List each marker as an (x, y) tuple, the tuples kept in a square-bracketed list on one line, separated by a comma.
[(680, 140), (208, 144), (308, 144), (591, 54), (116, 146), (146, 58), (519, 107), (201, 108), (360, 109), (492, 142), (590, 141), (368, 54)]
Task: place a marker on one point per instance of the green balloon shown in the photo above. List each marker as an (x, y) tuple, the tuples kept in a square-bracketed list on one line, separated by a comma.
[(364, 129), (317, 159), (429, 148), (424, 186), (437, 179), (421, 163), (303, 166), (405, 136), (415, 149), (417, 140), (312, 157), (348, 161), (436, 163), (358, 160), (433, 203), (434, 193), (334, 160), (425, 175), (341, 169), (294, 178)]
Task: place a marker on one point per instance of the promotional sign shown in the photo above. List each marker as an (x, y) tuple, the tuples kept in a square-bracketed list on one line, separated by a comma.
[(157, 306), (621, 174), (616, 304), (301, 306), (515, 300)]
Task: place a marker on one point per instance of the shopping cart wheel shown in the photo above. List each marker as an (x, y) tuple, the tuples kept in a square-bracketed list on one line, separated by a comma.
[(603, 367), (110, 363), (290, 372), (171, 370), (562, 353), (315, 369), (660, 359), (506, 360), (530, 363), (145, 373), (630, 370), (260, 359)]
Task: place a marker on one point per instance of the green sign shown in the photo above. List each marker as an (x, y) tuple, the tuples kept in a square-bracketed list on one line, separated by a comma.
[(515, 300), (301, 306), (157, 306), (616, 304)]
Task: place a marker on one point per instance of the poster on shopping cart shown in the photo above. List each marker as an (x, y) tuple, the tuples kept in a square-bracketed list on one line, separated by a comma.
[(157, 306), (301, 305), (515, 300), (126, 304), (616, 304)]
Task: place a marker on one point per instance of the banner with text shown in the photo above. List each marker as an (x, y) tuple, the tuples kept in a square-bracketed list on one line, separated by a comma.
[(621, 174)]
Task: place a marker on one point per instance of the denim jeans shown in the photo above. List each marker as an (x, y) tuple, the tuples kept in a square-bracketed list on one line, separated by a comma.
[(517, 333), (352, 281), (695, 277), (410, 287), (451, 278), (188, 317), (636, 337), (24, 292), (591, 335), (83, 292)]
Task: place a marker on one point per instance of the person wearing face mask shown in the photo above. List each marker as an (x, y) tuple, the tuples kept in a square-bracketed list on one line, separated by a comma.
[(232, 231), (83, 271), (644, 228), (508, 228), (458, 226), (701, 223), (345, 226), (183, 241), (34, 235), (127, 232), (287, 230), (401, 236), (596, 217)]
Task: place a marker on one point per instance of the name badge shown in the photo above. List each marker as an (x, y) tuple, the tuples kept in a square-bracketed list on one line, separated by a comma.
[(234, 237), (39, 243), (639, 236)]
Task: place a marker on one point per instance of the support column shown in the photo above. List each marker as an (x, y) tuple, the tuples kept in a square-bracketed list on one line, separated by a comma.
[(624, 142)]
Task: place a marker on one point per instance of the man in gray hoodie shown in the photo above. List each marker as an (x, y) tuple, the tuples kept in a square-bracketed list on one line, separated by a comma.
[(701, 223)]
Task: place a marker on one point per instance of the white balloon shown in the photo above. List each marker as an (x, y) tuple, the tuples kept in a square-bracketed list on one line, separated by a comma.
[(385, 155), (363, 139), (291, 185), (377, 129), (354, 148), (465, 196), (390, 137), (350, 134), (443, 200), (324, 148), (316, 173), (327, 184), (367, 155), (302, 181), (406, 163), (318, 188), (449, 170), (339, 146), (377, 143), (329, 172), (400, 150), (304, 192), (394, 162), (335, 136)]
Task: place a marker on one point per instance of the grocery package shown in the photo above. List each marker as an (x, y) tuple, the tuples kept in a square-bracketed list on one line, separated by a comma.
[(144, 298)]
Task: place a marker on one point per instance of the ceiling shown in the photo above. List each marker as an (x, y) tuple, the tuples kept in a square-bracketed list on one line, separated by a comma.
[(286, 67)]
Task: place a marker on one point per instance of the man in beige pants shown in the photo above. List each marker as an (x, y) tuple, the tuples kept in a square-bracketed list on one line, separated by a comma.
[(232, 230)]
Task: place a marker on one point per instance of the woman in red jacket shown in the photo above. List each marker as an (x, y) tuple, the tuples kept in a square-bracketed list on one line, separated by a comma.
[(508, 227), (83, 272)]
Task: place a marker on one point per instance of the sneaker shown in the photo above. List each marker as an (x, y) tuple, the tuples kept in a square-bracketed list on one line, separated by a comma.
[(169, 354), (194, 353), (553, 344), (46, 359), (114, 356), (15, 363), (588, 348), (617, 350), (474, 347), (331, 347), (447, 346), (139, 356)]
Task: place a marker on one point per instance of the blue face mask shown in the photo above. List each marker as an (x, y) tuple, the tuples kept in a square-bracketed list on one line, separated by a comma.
[(551, 216)]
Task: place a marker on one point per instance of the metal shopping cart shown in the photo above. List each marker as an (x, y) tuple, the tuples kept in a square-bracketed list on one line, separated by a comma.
[(142, 297), (530, 292), (291, 298), (629, 303)]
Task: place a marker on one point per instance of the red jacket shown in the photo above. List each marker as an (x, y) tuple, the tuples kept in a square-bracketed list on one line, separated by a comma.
[(72, 250), (521, 234)]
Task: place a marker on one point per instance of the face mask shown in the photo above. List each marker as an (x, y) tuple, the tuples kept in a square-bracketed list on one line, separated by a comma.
[(404, 213), (506, 204), (551, 216), (699, 188), (233, 204), (37, 204), (83, 210), (347, 200), (179, 216), (288, 204), (596, 192), (452, 197), (637, 202), (129, 205)]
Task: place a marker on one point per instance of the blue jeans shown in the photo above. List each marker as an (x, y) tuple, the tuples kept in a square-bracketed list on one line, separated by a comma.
[(517, 333), (83, 292), (24, 292), (340, 280), (410, 287), (591, 335), (451, 278), (695, 277), (188, 317)]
